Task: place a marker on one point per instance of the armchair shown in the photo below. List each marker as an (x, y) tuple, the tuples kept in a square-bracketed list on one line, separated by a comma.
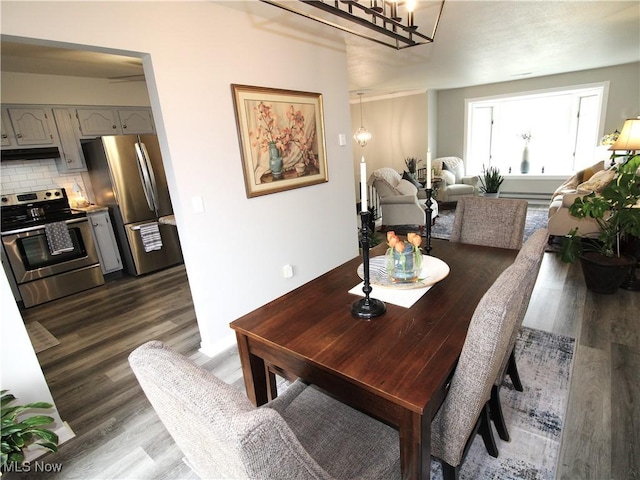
[(455, 183), (399, 199)]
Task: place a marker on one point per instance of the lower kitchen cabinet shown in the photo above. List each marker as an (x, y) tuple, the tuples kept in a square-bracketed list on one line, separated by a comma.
[(105, 241)]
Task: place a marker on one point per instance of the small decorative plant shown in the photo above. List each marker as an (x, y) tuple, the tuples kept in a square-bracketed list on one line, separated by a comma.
[(490, 180), (17, 434), (411, 164), (616, 211)]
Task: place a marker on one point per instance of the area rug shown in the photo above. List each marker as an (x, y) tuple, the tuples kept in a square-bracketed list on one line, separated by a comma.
[(534, 417), (536, 218), (41, 338)]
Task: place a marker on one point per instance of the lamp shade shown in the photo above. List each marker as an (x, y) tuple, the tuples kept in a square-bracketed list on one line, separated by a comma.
[(629, 138)]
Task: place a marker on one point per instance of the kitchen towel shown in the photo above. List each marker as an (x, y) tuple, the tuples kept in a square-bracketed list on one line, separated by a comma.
[(151, 239), (404, 297), (58, 238)]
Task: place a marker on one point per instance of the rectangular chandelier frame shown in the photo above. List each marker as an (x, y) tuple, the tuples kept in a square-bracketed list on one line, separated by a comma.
[(400, 36)]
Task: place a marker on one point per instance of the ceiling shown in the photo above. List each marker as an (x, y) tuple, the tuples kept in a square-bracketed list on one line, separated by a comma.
[(477, 42)]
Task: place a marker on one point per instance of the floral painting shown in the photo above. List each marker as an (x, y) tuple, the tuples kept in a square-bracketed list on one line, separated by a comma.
[(281, 134)]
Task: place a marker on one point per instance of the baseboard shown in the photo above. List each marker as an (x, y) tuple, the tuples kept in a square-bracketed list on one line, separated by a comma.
[(213, 349)]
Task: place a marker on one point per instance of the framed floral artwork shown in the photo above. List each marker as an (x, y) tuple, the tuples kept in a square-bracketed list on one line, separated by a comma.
[(281, 134)]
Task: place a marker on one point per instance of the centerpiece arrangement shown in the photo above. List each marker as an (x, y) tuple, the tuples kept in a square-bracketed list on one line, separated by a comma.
[(403, 257)]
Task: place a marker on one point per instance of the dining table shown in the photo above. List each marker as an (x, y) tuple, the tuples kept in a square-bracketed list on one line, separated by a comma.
[(395, 367)]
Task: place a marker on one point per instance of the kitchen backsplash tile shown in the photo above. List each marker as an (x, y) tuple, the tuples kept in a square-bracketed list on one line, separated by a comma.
[(18, 176)]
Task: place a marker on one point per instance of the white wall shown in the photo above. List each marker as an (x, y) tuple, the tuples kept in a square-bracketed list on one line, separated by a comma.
[(623, 102), (191, 57), (399, 127), (31, 88)]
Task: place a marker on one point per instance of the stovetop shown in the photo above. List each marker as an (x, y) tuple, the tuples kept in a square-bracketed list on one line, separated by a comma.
[(30, 209)]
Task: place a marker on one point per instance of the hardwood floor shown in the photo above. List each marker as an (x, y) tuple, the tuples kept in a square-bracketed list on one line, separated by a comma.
[(118, 435)]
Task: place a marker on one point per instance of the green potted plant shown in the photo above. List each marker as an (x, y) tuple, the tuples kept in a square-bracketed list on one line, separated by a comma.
[(18, 434), (490, 181), (616, 209)]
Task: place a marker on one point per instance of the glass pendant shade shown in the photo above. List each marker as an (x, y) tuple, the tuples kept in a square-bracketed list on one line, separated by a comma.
[(362, 136)]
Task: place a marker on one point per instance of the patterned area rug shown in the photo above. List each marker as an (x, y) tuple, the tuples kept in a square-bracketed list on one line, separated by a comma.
[(536, 218), (534, 417), (41, 338)]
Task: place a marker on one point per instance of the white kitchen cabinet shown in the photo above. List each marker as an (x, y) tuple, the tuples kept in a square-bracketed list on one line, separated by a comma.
[(71, 156), (8, 137), (31, 127), (136, 121), (95, 122), (105, 241)]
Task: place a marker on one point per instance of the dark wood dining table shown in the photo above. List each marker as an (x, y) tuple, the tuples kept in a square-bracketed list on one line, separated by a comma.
[(394, 367)]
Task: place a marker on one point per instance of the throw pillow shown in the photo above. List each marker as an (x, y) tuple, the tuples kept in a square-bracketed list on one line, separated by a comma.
[(448, 177), (409, 178), (598, 181)]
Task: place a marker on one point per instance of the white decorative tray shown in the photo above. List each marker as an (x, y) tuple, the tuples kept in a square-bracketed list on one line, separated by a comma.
[(433, 270)]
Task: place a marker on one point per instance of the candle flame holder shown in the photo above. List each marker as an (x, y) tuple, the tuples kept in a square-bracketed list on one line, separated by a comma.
[(366, 307)]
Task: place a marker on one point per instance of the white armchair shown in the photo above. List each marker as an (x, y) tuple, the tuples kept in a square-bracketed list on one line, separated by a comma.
[(399, 200), (455, 183)]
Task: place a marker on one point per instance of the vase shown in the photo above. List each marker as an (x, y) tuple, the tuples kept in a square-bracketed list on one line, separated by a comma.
[(405, 266), (524, 165), (275, 161)]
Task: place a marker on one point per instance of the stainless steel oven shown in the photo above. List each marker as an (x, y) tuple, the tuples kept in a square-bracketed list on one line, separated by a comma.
[(41, 274)]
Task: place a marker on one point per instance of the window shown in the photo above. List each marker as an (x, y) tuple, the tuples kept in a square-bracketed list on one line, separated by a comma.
[(564, 126)]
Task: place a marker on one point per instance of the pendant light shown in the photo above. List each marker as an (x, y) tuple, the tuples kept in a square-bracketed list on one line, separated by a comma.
[(362, 135)]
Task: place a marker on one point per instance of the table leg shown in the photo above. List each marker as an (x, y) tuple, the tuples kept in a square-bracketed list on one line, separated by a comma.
[(415, 446), (255, 373)]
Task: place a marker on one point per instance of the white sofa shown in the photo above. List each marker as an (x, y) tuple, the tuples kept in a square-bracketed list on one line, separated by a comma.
[(561, 222)]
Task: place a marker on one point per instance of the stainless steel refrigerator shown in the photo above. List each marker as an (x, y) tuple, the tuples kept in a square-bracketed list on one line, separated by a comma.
[(127, 175)]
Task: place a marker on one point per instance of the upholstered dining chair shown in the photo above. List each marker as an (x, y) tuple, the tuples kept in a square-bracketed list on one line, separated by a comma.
[(492, 222), (530, 255), (302, 434), (465, 410)]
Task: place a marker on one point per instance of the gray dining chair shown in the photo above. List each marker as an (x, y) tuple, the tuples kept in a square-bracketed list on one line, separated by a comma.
[(465, 410), (493, 222), (302, 434), (530, 255)]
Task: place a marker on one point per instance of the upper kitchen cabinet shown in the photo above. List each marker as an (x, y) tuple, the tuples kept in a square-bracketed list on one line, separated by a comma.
[(96, 122), (28, 127), (71, 157), (136, 121)]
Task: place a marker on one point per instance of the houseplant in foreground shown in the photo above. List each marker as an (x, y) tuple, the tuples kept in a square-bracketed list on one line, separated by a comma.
[(616, 209), (18, 434), (490, 181)]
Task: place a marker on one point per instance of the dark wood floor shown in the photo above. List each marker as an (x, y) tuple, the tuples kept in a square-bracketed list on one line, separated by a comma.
[(118, 435)]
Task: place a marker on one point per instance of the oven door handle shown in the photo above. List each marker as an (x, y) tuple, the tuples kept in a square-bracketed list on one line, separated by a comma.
[(41, 227)]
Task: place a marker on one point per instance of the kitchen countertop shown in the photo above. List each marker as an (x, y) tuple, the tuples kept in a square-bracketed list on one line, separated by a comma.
[(92, 208)]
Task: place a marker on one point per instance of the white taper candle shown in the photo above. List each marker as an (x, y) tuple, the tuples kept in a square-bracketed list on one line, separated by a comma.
[(363, 185), (428, 169)]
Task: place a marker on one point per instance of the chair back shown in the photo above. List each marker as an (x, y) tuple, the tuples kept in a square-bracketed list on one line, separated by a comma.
[(482, 353), (530, 255), (221, 434), (493, 222)]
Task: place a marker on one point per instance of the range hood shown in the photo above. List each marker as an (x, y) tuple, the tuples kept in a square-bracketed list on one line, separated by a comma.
[(30, 153)]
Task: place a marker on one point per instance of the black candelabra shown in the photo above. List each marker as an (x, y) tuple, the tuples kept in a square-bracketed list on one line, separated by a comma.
[(427, 226), (366, 307)]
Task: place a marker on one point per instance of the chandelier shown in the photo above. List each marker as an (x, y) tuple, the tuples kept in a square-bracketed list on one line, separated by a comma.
[(380, 21)]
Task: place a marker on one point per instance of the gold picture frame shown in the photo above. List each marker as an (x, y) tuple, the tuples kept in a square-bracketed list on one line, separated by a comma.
[(281, 135)]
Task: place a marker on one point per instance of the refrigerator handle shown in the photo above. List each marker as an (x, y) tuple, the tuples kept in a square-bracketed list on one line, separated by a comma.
[(144, 176), (152, 177)]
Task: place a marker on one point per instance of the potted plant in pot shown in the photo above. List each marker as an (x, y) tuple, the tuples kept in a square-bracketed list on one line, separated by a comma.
[(490, 181), (617, 210), (19, 433)]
